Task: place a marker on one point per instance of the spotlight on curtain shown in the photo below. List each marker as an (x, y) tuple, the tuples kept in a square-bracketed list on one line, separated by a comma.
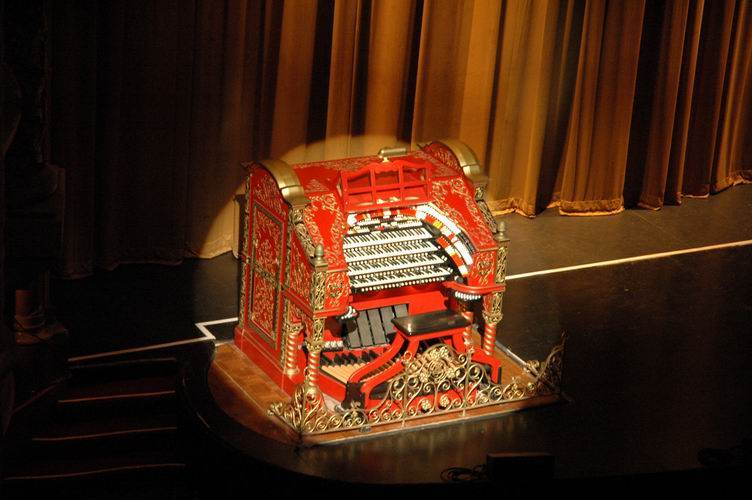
[(586, 105)]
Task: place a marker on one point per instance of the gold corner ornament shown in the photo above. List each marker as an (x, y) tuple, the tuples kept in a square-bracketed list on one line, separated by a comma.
[(437, 381), (306, 413), (548, 375)]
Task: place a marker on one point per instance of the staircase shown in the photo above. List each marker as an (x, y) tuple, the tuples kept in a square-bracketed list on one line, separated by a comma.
[(111, 432)]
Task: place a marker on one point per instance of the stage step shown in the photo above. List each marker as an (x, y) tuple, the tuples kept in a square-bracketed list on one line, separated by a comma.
[(113, 420), (112, 398), (113, 462)]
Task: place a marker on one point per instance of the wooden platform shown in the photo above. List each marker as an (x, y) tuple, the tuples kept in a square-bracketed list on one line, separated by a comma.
[(245, 393)]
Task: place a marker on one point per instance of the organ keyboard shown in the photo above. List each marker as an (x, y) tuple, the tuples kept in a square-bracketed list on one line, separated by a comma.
[(389, 250), (352, 266)]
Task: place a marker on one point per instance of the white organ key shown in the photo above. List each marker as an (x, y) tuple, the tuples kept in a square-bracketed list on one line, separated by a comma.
[(397, 263), (384, 251), (399, 277), (385, 237)]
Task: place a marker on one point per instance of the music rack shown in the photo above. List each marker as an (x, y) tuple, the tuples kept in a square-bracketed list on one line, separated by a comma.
[(386, 185)]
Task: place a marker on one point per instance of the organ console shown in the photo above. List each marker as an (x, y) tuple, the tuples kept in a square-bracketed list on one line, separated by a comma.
[(354, 268)]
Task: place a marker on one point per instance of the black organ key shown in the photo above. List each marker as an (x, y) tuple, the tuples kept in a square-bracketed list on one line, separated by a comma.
[(367, 340), (387, 313), (353, 337), (364, 329), (400, 310), (377, 330)]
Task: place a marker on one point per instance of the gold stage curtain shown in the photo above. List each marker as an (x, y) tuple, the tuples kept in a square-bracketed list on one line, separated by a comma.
[(585, 105)]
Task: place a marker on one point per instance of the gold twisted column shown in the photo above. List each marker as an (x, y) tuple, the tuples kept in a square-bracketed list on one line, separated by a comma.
[(312, 369), (465, 309), (492, 316), (314, 344), (292, 338)]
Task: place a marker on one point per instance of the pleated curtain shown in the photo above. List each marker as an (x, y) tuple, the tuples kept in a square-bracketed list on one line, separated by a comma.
[(589, 106)]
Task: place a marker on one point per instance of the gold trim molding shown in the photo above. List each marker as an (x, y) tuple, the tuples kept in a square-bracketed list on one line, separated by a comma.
[(287, 181)]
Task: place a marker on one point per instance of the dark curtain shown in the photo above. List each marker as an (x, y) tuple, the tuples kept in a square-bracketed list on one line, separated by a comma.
[(586, 105)]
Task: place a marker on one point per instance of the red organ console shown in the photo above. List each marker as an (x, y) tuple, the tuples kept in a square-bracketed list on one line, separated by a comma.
[(352, 266)]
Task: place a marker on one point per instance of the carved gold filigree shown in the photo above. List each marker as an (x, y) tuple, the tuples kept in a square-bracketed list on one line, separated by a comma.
[(314, 328), (307, 413), (501, 264), (305, 239), (318, 289), (296, 216), (335, 286), (492, 307), (487, 215), (548, 375), (492, 318), (437, 381), (317, 335)]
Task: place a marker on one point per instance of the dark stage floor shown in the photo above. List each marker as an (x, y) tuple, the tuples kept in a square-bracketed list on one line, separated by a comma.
[(658, 356)]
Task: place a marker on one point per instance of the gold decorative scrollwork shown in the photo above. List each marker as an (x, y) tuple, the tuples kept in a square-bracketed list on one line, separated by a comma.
[(305, 239), (296, 216), (335, 285), (487, 215), (307, 413), (491, 318), (318, 290), (548, 375), (317, 335), (480, 193), (501, 264), (437, 381), (492, 307)]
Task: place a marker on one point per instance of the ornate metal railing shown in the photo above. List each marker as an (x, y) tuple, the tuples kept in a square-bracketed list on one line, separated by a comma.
[(437, 381)]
